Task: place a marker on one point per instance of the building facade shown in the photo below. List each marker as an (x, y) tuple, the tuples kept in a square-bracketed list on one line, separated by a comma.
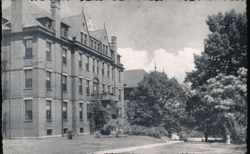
[(52, 68), (131, 80)]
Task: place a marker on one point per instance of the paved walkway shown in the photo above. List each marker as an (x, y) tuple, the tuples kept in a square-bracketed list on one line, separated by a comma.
[(128, 149)]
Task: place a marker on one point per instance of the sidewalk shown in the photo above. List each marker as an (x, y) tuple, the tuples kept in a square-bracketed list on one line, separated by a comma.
[(121, 150)]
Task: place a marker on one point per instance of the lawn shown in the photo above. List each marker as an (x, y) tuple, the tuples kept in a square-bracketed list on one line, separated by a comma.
[(79, 144), (194, 148)]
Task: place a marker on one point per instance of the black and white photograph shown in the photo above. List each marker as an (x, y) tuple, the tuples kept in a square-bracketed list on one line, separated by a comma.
[(124, 77)]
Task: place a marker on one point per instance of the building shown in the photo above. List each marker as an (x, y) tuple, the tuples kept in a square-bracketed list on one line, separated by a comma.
[(52, 68), (131, 80)]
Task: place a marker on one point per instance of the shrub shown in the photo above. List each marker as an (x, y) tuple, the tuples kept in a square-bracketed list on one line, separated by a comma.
[(120, 125), (156, 132), (239, 134)]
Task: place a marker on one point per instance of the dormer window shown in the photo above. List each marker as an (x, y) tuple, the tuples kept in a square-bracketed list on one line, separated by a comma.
[(64, 30), (81, 37), (118, 59), (48, 25), (46, 22), (91, 43)]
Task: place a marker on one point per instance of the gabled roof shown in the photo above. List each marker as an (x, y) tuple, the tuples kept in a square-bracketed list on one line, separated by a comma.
[(30, 13), (98, 34), (74, 22), (133, 77)]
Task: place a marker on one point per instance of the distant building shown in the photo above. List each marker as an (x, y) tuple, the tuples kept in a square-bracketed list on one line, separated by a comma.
[(131, 80), (52, 69)]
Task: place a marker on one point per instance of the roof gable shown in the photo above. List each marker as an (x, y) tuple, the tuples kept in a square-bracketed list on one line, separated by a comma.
[(77, 24), (30, 13), (100, 35)]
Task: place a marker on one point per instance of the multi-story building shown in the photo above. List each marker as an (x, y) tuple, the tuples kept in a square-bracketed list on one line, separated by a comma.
[(131, 80), (52, 68)]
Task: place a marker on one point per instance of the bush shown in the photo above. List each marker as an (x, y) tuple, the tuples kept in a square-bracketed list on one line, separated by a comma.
[(239, 134), (119, 125), (156, 132), (186, 133)]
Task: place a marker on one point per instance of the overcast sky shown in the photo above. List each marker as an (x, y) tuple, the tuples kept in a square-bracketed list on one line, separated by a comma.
[(168, 32)]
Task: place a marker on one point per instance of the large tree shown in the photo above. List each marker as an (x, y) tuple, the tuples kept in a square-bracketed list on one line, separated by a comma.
[(225, 49), (158, 101), (219, 104)]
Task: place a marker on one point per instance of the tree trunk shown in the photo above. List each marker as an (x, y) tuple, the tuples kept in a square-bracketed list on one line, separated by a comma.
[(206, 137)]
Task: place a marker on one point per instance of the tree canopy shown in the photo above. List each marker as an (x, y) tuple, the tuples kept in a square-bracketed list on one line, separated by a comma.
[(158, 101), (219, 104), (225, 49)]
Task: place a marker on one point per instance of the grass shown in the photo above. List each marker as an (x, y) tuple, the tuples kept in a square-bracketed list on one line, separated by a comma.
[(79, 144), (195, 148)]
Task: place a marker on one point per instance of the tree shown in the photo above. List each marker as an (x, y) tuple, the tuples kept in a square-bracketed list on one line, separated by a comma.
[(225, 49), (223, 105), (100, 114), (157, 102), (219, 104)]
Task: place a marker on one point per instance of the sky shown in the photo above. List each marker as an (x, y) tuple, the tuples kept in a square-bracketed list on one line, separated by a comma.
[(166, 33)]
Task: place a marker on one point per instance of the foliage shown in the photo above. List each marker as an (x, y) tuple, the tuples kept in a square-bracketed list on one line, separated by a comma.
[(156, 132), (219, 104), (157, 102), (225, 49), (99, 115), (223, 105), (120, 125)]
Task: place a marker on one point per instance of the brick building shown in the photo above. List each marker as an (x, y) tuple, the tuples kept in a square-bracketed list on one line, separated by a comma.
[(52, 68)]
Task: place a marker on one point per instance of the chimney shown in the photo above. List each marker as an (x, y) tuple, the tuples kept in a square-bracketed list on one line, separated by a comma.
[(56, 16), (17, 15), (113, 46)]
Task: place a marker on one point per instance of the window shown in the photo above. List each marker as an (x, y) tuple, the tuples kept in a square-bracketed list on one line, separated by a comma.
[(108, 71), (119, 76), (113, 90), (28, 48), (64, 82), (48, 51), (85, 39), (106, 50), (81, 130), (118, 59), (80, 111), (87, 87), (97, 65), (81, 37), (94, 45), (103, 68), (48, 110), (65, 130), (80, 60), (93, 66), (103, 49), (112, 74), (91, 43), (103, 88), (87, 64), (64, 31), (65, 110), (120, 94), (64, 56), (98, 46), (80, 86), (49, 131), (28, 78), (48, 80), (28, 110), (108, 89)]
